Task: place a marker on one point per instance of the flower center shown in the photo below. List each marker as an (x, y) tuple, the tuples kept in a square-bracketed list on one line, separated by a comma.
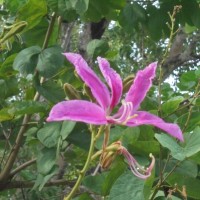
[(124, 114)]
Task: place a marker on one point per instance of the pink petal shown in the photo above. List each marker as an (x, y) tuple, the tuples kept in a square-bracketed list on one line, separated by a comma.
[(78, 110), (141, 85), (150, 119), (113, 79), (98, 88)]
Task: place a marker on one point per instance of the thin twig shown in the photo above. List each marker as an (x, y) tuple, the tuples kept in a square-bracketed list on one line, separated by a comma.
[(21, 167)]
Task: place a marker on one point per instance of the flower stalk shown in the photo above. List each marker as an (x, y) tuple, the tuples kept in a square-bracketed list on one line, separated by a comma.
[(87, 163)]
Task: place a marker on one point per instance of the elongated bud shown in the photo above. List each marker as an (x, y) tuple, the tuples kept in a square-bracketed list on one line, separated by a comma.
[(71, 92), (110, 153), (107, 158), (88, 93), (15, 28), (128, 81)]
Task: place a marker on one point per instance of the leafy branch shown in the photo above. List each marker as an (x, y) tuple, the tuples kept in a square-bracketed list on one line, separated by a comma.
[(15, 149)]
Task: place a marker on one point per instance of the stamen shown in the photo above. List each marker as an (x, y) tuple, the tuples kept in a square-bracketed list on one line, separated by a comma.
[(137, 170)]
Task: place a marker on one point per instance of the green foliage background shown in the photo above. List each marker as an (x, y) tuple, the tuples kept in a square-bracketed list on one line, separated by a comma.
[(33, 72)]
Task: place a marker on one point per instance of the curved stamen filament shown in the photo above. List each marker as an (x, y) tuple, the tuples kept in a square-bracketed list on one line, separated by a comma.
[(137, 169), (125, 116)]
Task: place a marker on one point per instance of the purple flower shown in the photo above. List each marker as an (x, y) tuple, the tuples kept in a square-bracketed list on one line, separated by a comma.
[(101, 112)]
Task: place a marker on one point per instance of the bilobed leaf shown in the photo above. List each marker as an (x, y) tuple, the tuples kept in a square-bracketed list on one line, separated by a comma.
[(26, 60), (49, 61), (191, 144), (127, 187), (172, 104)]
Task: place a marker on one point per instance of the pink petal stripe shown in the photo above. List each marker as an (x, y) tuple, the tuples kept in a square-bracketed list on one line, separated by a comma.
[(150, 119), (98, 88), (78, 110), (113, 79), (141, 85)]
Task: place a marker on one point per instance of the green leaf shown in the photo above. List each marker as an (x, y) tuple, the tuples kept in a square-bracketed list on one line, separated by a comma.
[(80, 136), (130, 135), (66, 129), (156, 22), (5, 115), (3, 88), (145, 147), (36, 35), (46, 178), (94, 183), (186, 167), (192, 141), (127, 187), (131, 15), (192, 185), (188, 80), (43, 179), (172, 104), (8, 87), (26, 60), (46, 160), (193, 122), (49, 61), (32, 12), (116, 171), (97, 48), (51, 91), (28, 107), (80, 6), (6, 68), (49, 134), (171, 144), (64, 8)]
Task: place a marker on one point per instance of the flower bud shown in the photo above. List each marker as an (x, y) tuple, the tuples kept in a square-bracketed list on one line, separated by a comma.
[(107, 158), (88, 93), (71, 92), (15, 28), (128, 81)]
